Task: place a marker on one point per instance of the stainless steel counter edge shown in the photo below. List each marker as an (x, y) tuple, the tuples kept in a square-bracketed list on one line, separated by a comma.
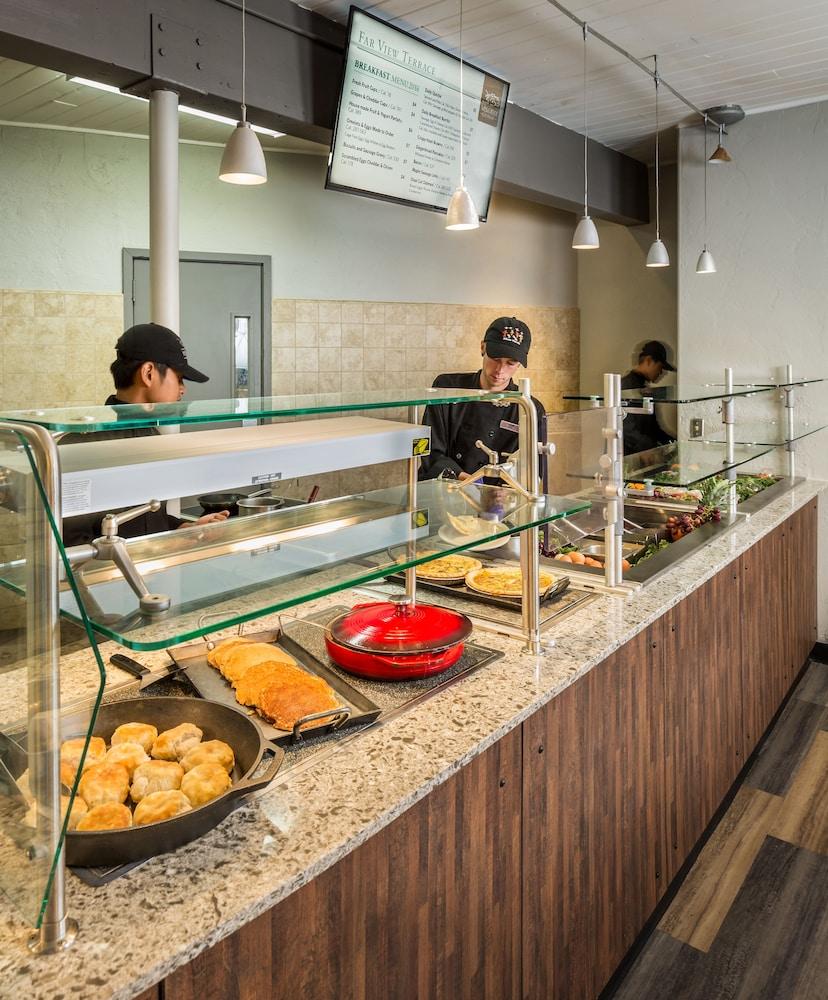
[(140, 928)]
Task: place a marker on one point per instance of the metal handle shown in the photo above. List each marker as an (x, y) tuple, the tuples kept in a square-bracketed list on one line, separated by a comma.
[(339, 715), (247, 785), (203, 619), (129, 665), (111, 522), (493, 455)]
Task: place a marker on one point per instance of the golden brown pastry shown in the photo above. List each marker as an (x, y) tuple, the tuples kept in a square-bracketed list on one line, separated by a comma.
[(239, 660), (284, 703), (135, 732), (155, 776), (216, 656), (104, 783), (110, 816), (259, 678), (128, 754), (210, 752), (161, 805), (70, 755), (174, 743), (204, 783), (79, 809)]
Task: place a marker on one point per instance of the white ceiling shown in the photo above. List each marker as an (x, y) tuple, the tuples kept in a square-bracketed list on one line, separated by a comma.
[(757, 53)]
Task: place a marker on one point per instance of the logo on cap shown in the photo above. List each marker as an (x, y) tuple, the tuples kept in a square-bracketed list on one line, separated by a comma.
[(512, 335)]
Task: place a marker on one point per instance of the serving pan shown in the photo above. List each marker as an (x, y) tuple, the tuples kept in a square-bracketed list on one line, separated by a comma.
[(94, 848)]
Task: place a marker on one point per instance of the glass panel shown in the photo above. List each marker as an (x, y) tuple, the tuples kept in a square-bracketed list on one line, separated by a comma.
[(684, 463), (769, 432), (677, 393), (113, 418), (241, 362), (36, 794), (250, 566)]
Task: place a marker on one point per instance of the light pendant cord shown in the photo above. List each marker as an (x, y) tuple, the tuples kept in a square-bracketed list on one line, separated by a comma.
[(244, 64), (658, 212), (462, 171), (586, 183), (705, 182)]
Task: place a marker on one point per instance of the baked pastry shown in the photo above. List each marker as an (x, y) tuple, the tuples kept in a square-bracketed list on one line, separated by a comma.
[(70, 755), (160, 805), (135, 732), (155, 776), (128, 754), (284, 702), (109, 816), (79, 809), (174, 743), (260, 677), (504, 581), (104, 783), (452, 567), (243, 658), (204, 783), (210, 752), (216, 656)]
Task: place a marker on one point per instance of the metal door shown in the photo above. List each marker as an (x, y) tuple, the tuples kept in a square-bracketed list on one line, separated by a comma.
[(225, 319)]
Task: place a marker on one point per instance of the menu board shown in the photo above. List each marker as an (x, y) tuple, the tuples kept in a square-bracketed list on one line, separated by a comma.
[(397, 133)]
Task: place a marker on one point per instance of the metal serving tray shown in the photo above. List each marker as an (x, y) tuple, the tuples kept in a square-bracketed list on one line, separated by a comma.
[(357, 709), (554, 593)]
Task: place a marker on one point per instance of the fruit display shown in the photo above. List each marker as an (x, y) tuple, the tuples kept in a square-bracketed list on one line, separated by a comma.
[(680, 525)]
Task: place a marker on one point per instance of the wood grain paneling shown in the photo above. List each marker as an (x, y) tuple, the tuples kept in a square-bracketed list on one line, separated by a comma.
[(803, 818), (153, 993), (802, 583), (593, 843), (429, 907)]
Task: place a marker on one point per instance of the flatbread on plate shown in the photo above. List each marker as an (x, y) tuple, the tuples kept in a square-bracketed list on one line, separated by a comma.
[(504, 581)]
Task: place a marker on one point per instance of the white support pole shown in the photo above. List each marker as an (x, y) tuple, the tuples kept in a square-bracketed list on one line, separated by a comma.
[(614, 489), (163, 197), (790, 447), (729, 421), (529, 554)]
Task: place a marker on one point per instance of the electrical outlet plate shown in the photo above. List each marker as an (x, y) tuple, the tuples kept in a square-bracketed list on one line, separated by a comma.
[(697, 427)]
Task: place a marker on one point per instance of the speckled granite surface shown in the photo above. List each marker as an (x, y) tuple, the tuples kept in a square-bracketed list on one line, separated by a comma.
[(138, 929)]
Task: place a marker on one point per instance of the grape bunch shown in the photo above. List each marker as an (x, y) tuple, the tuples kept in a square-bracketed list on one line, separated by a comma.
[(680, 525)]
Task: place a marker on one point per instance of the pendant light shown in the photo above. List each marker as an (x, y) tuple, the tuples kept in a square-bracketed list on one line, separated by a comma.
[(585, 236), (243, 161), (657, 255), (705, 264), (461, 212), (720, 154)]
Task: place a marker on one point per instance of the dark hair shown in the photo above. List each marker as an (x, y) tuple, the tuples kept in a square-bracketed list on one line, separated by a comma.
[(123, 371)]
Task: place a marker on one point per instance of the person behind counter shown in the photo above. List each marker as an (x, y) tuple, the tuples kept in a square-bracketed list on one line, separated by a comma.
[(456, 427), (642, 431), (150, 366)]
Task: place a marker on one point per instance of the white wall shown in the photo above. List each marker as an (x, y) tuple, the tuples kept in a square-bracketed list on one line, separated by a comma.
[(767, 304), (71, 201)]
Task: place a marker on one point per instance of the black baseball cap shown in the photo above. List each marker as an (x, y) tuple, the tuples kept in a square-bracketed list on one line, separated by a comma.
[(152, 342), (509, 338), (658, 352)]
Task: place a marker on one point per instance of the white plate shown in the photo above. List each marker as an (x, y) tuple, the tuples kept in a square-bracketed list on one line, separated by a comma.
[(453, 537)]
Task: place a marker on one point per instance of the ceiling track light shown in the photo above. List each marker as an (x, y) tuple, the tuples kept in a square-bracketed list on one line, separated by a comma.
[(585, 236), (720, 154), (705, 264), (461, 212), (657, 255), (243, 161)]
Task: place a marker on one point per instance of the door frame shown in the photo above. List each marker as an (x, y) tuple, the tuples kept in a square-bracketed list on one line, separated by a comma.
[(130, 254)]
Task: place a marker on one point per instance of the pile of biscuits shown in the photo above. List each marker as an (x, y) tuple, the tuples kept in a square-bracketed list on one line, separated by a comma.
[(144, 776)]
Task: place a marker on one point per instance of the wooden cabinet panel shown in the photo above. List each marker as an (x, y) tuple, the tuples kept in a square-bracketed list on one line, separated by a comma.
[(593, 842), (428, 907), (703, 708), (802, 585), (153, 993)]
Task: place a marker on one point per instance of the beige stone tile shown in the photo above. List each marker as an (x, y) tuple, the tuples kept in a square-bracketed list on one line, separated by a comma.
[(394, 361), (330, 359), (352, 360), (283, 310), (373, 312), (330, 312), (455, 314), (353, 312), (110, 307), (307, 311), (395, 312), (353, 335), (283, 334), (396, 337), (415, 313), (18, 303), (283, 359), (80, 304), (435, 313), (49, 303), (46, 332), (307, 359), (307, 382), (82, 333), (376, 380), (330, 334), (373, 359), (330, 381), (282, 383), (307, 334)]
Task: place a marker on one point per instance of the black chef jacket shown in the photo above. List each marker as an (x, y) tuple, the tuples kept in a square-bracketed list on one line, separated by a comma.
[(86, 527), (641, 430), (455, 427)]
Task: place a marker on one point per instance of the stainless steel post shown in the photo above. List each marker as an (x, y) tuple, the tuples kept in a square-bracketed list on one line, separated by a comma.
[(529, 553), (614, 488), (729, 421), (790, 447), (163, 197), (411, 572), (56, 931)]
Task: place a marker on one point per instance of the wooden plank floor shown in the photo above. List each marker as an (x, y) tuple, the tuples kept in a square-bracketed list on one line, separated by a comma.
[(750, 921)]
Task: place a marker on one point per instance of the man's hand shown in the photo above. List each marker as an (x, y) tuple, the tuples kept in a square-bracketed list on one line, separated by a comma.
[(219, 515)]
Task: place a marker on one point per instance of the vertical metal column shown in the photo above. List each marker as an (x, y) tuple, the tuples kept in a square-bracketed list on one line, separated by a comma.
[(790, 447), (529, 551), (729, 421), (163, 196), (614, 489), (411, 572)]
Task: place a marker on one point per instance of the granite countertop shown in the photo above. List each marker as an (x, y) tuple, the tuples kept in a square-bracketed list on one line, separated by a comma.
[(141, 927)]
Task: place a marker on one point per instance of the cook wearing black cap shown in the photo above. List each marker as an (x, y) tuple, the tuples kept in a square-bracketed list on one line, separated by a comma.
[(642, 431), (456, 427), (150, 366)]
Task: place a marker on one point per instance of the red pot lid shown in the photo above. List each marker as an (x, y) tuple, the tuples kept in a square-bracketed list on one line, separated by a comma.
[(396, 627)]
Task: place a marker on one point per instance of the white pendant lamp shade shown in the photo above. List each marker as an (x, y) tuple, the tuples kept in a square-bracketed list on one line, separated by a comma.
[(461, 213), (243, 161), (705, 263), (657, 255), (586, 235)]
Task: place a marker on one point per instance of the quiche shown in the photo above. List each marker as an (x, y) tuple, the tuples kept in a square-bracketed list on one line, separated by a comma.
[(504, 581), (453, 567)]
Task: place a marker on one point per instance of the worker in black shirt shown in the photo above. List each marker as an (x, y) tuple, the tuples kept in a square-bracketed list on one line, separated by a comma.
[(150, 366), (642, 431), (456, 427)]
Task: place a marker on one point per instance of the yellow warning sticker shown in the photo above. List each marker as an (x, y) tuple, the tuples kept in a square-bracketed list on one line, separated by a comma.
[(422, 446), (419, 519)]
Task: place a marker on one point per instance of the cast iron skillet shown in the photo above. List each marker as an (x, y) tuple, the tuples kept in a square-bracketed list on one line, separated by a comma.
[(94, 848), (213, 503)]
